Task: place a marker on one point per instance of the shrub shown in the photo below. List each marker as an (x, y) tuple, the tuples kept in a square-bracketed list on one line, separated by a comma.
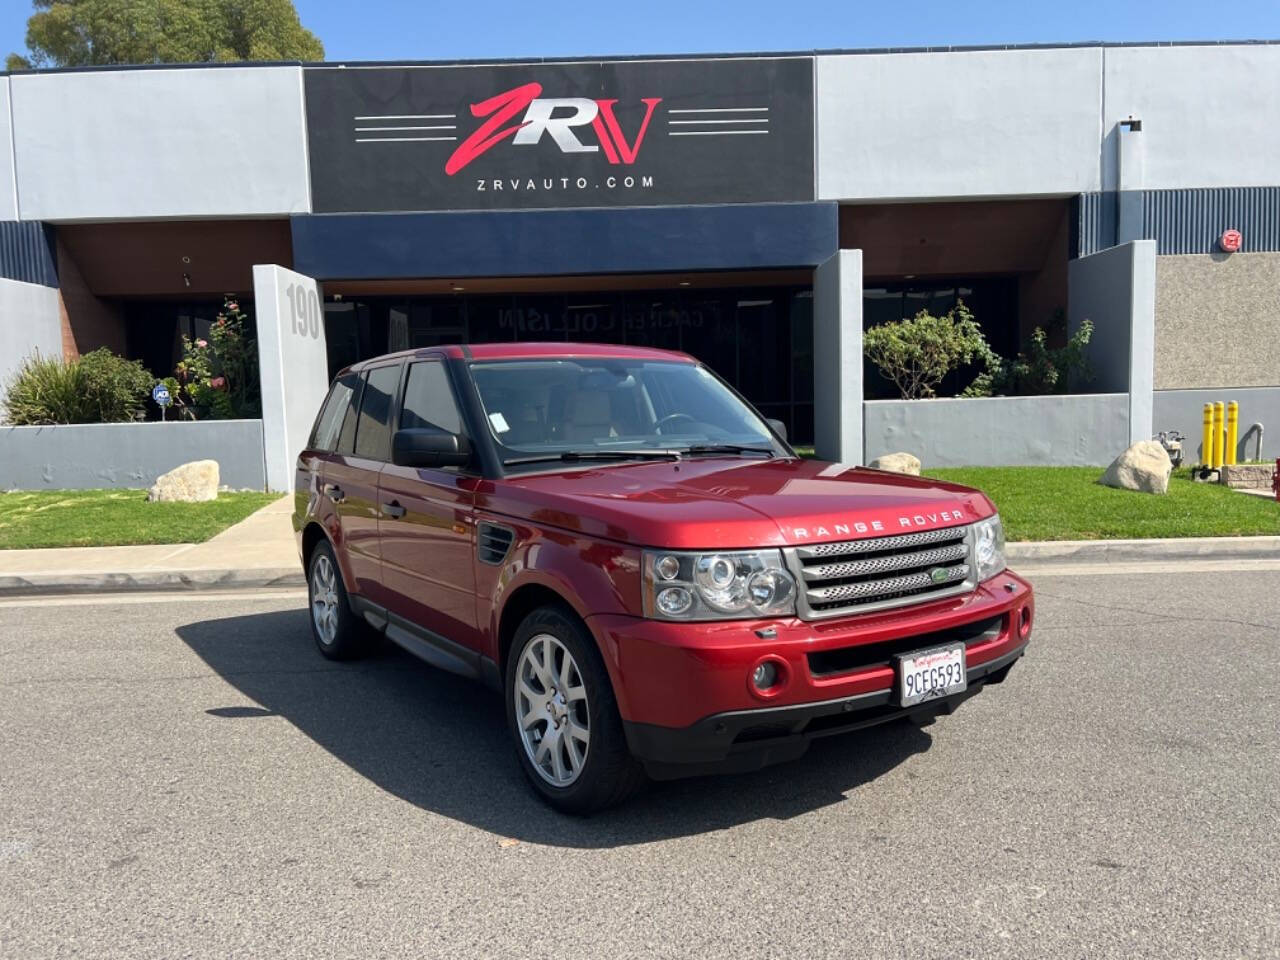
[(1038, 370), (918, 353), (218, 377), (98, 387)]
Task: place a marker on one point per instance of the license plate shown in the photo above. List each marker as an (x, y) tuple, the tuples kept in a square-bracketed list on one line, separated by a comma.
[(930, 674)]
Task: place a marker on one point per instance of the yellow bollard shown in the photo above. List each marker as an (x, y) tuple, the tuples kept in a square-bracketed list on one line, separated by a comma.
[(1233, 426), (1206, 439), (1217, 435)]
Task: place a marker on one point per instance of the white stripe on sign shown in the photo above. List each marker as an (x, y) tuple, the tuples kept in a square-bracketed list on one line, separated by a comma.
[(412, 116), (719, 110), (709, 133), (399, 139)]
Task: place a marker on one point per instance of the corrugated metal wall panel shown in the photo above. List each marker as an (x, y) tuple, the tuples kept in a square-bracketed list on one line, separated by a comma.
[(1095, 223), (26, 252), (1185, 221), (1191, 221)]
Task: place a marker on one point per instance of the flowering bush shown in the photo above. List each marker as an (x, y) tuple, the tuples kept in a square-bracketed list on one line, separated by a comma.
[(218, 378)]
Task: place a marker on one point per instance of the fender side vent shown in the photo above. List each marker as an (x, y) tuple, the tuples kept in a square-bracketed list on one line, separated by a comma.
[(493, 542)]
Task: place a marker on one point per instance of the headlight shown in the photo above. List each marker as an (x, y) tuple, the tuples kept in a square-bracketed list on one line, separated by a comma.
[(988, 547), (717, 586)]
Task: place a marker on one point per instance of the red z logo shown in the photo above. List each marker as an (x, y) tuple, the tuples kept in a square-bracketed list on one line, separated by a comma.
[(539, 119)]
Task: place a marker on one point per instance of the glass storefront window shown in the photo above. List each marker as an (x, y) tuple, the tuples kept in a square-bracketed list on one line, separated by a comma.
[(758, 339)]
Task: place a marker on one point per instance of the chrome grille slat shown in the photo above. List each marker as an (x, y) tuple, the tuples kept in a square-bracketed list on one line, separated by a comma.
[(893, 561), (849, 576), (899, 542), (890, 585)]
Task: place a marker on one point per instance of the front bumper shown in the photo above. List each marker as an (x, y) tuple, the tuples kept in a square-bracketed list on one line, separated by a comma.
[(686, 699), (743, 740)]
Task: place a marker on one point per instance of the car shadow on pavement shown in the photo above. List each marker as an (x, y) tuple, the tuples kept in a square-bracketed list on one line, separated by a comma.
[(440, 742)]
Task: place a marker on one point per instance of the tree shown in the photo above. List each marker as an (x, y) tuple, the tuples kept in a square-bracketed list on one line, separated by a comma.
[(918, 353), (77, 33)]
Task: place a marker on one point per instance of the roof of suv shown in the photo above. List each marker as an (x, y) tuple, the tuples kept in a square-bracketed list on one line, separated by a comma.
[(528, 351)]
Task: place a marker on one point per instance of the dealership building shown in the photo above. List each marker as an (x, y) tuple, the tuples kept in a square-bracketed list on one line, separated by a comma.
[(755, 211)]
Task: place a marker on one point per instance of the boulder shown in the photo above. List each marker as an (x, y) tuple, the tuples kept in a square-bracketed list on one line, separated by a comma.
[(897, 463), (190, 483), (1144, 467)]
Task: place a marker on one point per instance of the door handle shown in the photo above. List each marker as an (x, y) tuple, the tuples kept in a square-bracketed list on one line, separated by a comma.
[(334, 492), (393, 510)]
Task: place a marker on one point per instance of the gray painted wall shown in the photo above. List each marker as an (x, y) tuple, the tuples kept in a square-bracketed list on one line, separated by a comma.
[(837, 358), (1116, 289), (1071, 430), (1210, 116), (101, 455), (8, 183), (30, 321), (134, 144), (958, 124), (1184, 409), (1100, 288)]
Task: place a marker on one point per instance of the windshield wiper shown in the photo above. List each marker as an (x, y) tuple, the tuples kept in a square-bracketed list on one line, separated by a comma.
[(574, 456), (698, 448)]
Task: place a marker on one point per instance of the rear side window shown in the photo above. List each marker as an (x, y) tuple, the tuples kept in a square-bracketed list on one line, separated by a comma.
[(329, 423), (428, 399), (373, 432), (347, 434)]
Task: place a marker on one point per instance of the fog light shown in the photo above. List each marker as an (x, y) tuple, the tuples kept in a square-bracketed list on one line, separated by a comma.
[(765, 676), (674, 601), (1024, 621)]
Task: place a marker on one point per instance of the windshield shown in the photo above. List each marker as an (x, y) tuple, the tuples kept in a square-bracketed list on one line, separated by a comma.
[(545, 409)]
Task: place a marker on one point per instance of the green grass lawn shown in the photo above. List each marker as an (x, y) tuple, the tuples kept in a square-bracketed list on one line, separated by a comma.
[(1067, 503), (101, 518)]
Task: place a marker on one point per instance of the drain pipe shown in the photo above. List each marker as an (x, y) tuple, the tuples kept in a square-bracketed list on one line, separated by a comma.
[(1257, 449)]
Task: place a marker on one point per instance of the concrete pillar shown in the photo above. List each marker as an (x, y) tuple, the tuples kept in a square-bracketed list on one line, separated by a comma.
[(1129, 181), (1116, 289), (30, 322), (837, 358), (1142, 341), (294, 365)]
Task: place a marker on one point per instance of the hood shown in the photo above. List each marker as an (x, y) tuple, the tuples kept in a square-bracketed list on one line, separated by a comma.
[(733, 502)]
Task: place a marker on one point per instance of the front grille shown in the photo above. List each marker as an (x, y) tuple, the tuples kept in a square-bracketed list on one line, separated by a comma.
[(856, 576)]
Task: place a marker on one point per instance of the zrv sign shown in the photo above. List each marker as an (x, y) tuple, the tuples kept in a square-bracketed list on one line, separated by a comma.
[(631, 133)]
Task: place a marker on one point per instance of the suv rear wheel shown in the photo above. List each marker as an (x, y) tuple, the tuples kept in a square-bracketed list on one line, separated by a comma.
[(564, 718), (338, 633)]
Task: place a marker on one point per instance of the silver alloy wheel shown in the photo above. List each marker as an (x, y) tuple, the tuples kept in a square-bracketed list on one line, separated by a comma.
[(551, 710), (324, 599)]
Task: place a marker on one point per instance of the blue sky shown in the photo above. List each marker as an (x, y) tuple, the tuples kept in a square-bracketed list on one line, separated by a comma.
[(409, 29)]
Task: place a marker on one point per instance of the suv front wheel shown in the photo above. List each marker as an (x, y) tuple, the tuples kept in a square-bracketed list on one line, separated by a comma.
[(564, 718), (338, 633)]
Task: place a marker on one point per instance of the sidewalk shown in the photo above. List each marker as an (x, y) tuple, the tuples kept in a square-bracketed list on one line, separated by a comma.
[(259, 551)]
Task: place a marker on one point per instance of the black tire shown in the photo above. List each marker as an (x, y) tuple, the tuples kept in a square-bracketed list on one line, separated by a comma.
[(349, 637), (609, 774)]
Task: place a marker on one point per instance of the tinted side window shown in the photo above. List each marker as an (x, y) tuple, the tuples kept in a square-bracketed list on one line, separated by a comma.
[(347, 435), (428, 399), (329, 423), (373, 433)]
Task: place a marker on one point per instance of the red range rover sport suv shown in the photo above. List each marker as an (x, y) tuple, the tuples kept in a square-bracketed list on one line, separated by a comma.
[(657, 584)]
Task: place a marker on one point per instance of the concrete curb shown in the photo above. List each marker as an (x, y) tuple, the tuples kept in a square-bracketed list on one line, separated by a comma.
[(17, 585), (1139, 551)]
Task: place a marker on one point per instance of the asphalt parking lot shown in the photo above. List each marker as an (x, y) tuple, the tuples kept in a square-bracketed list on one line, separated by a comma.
[(184, 776)]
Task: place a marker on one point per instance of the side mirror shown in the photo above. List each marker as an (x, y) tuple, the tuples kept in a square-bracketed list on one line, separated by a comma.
[(429, 447), (779, 428)]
